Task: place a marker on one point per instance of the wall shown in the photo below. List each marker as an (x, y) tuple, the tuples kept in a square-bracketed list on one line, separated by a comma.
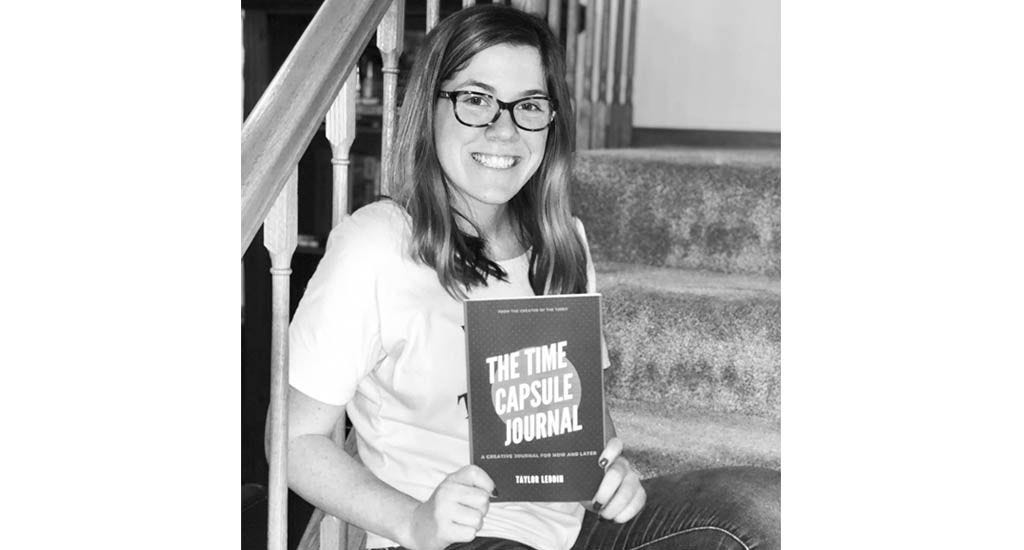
[(708, 65)]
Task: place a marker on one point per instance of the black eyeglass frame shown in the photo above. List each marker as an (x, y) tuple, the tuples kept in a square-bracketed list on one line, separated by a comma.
[(502, 106)]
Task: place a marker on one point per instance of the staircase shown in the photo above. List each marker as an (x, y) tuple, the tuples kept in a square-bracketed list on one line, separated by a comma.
[(686, 243)]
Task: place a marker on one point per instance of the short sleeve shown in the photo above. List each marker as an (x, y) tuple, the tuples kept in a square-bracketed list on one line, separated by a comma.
[(334, 338), (592, 286)]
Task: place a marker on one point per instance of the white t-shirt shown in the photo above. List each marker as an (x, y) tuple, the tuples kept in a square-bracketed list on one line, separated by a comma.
[(377, 332)]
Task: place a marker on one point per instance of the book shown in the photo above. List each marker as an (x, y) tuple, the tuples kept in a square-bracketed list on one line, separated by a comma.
[(536, 395)]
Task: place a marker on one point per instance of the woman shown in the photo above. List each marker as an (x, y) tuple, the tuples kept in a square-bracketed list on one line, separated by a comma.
[(481, 167)]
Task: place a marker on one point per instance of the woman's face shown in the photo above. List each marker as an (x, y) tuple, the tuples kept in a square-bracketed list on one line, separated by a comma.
[(489, 165)]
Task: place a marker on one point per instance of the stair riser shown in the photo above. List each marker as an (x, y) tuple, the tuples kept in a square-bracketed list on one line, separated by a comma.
[(723, 218), (694, 352)]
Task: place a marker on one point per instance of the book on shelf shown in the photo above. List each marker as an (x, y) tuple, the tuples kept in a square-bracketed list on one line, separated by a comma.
[(536, 395)]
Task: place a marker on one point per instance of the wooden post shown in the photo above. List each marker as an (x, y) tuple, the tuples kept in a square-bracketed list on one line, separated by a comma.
[(587, 84), (433, 13), (280, 235), (536, 7), (390, 33), (555, 17), (341, 132), (572, 27), (626, 75), (599, 107), (611, 112)]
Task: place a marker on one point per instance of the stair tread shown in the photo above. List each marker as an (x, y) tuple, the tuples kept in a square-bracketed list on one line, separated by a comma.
[(660, 440), (686, 281), (706, 156)]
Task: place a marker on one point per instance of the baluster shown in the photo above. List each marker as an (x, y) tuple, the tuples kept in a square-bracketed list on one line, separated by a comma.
[(280, 233), (598, 106), (433, 13), (572, 27), (626, 75), (586, 80), (341, 132), (555, 17), (610, 127), (390, 32), (536, 7)]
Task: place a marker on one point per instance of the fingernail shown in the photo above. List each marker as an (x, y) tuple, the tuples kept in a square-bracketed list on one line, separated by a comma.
[(603, 462), (597, 506)]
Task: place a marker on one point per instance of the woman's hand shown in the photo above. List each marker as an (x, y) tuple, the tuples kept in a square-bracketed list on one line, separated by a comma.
[(620, 495), (454, 512)]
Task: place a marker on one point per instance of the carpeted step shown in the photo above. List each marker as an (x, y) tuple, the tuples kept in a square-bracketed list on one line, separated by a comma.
[(693, 341), (661, 442), (693, 208)]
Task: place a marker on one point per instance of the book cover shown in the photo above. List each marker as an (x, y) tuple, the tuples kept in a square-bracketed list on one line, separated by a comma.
[(536, 395)]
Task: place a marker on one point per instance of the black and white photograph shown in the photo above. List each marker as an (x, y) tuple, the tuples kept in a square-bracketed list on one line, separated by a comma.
[(639, 159), (512, 274)]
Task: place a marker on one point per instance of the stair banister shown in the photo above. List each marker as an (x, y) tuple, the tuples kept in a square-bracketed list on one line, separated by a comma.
[(318, 80), (284, 120)]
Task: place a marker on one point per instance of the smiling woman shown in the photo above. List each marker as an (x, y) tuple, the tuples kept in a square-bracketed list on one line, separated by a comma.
[(488, 188), (481, 168), (488, 165)]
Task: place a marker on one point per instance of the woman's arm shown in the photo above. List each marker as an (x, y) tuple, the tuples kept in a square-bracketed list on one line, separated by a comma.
[(327, 477)]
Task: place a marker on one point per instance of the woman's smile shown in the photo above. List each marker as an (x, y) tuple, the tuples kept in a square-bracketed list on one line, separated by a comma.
[(496, 162)]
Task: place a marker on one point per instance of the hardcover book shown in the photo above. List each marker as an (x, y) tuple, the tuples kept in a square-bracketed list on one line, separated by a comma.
[(536, 395)]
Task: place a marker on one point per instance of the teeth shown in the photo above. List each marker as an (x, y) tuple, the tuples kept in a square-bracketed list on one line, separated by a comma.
[(494, 161)]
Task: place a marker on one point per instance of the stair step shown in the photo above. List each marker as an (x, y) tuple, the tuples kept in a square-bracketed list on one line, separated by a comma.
[(659, 442), (688, 340), (709, 209)]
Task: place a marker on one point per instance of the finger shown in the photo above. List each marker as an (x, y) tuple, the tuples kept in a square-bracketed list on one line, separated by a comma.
[(474, 476), (623, 494), (613, 477), (611, 451), (634, 506), (452, 493), (475, 498), (458, 533), (467, 517)]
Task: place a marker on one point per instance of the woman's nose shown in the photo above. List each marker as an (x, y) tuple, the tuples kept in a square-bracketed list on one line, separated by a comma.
[(504, 127)]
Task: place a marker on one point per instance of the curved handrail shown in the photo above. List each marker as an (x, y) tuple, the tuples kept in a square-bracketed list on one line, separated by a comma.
[(284, 120)]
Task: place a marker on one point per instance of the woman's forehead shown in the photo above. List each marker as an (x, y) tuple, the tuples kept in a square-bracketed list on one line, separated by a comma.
[(502, 70)]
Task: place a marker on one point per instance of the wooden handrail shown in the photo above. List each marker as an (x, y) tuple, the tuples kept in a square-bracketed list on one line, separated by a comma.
[(282, 124)]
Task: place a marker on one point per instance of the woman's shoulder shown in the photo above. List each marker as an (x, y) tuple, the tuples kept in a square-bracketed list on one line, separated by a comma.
[(380, 227)]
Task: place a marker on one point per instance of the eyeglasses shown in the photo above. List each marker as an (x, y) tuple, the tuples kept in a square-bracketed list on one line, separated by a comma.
[(476, 110)]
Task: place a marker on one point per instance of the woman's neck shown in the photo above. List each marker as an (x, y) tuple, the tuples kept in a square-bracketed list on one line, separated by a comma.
[(495, 225)]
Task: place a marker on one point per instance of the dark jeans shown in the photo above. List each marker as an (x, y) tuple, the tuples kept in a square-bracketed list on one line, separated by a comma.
[(717, 509)]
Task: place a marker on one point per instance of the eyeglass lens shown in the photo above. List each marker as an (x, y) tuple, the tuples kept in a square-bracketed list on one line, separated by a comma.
[(479, 109)]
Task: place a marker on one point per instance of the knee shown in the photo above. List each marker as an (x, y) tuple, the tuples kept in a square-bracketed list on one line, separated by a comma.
[(744, 500)]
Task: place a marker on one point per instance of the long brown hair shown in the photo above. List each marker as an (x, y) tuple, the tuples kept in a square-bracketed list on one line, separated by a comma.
[(541, 209)]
